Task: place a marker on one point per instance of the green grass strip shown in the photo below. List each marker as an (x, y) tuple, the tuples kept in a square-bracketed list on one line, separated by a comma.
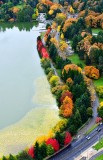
[(99, 157), (92, 128), (99, 145)]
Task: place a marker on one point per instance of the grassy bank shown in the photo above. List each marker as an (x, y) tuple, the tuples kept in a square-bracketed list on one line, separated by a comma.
[(76, 60), (99, 157), (96, 30)]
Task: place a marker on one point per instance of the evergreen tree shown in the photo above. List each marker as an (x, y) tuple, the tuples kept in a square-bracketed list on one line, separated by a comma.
[(38, 155), (60, 137), (4, 158), (12, 157)]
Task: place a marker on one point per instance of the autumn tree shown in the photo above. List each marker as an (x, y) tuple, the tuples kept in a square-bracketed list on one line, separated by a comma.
[(60, 17), (91, 72), (100, 110), (54, 143), (66, 107), (54, 80), (68, 138)]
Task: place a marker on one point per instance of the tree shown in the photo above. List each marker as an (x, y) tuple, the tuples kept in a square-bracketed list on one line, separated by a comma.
[(100, 66), (78, 89), (54, 143), (77, 119), (72, 129), (31, 152), (53, 52), (87, 60), (23, 156), (83, 113), (50, 150), (100, 110), (45, 63), (68, 138), (25, 15), (43, 150), (91, 72), (66, 107), (75, 42), (89, 112), (60, 137), (64, 94), (4, 158), (11, 157), (54, 80), (38, 155)]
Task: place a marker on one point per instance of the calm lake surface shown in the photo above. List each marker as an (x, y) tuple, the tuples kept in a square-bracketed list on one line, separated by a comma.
[(26, 103)]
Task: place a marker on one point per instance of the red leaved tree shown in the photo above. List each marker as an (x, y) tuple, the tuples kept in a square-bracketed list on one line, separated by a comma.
[(68, 138), (54, 143), (31, 152), (66, 93)]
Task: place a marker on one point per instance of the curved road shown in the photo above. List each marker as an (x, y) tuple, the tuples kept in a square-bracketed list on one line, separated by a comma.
[(79, 146)]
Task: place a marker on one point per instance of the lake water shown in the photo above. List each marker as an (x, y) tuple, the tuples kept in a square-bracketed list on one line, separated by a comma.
[(26, 103)]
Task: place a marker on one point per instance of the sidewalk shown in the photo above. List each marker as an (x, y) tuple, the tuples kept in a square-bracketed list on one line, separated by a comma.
[(90, 152)]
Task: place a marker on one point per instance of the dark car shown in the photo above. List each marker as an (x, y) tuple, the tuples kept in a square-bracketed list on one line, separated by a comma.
[(99, 129)]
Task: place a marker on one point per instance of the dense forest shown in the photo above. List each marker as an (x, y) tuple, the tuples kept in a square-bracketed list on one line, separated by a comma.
[(16, 10), (24, 11)]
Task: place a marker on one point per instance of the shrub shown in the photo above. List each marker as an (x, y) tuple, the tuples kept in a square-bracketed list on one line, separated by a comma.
[(91, 72)]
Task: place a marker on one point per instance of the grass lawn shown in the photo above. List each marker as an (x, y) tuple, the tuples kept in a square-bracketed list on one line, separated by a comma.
[(59, 72), (99, 157), (76, 60), (92, 128), (96, 30), (97, 83), (42, 34), (99, 145)]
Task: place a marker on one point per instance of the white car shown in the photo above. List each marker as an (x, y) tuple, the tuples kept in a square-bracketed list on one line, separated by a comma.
[(88, 137)]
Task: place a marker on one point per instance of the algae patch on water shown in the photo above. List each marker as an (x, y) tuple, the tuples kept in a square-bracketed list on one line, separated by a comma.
[(42, 94), (37, 122)]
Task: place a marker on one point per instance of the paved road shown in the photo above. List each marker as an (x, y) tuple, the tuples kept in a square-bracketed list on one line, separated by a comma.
[(78, 146), (89, 124)]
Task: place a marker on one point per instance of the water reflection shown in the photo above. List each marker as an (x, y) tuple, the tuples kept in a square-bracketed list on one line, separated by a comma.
[(20, 26)]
